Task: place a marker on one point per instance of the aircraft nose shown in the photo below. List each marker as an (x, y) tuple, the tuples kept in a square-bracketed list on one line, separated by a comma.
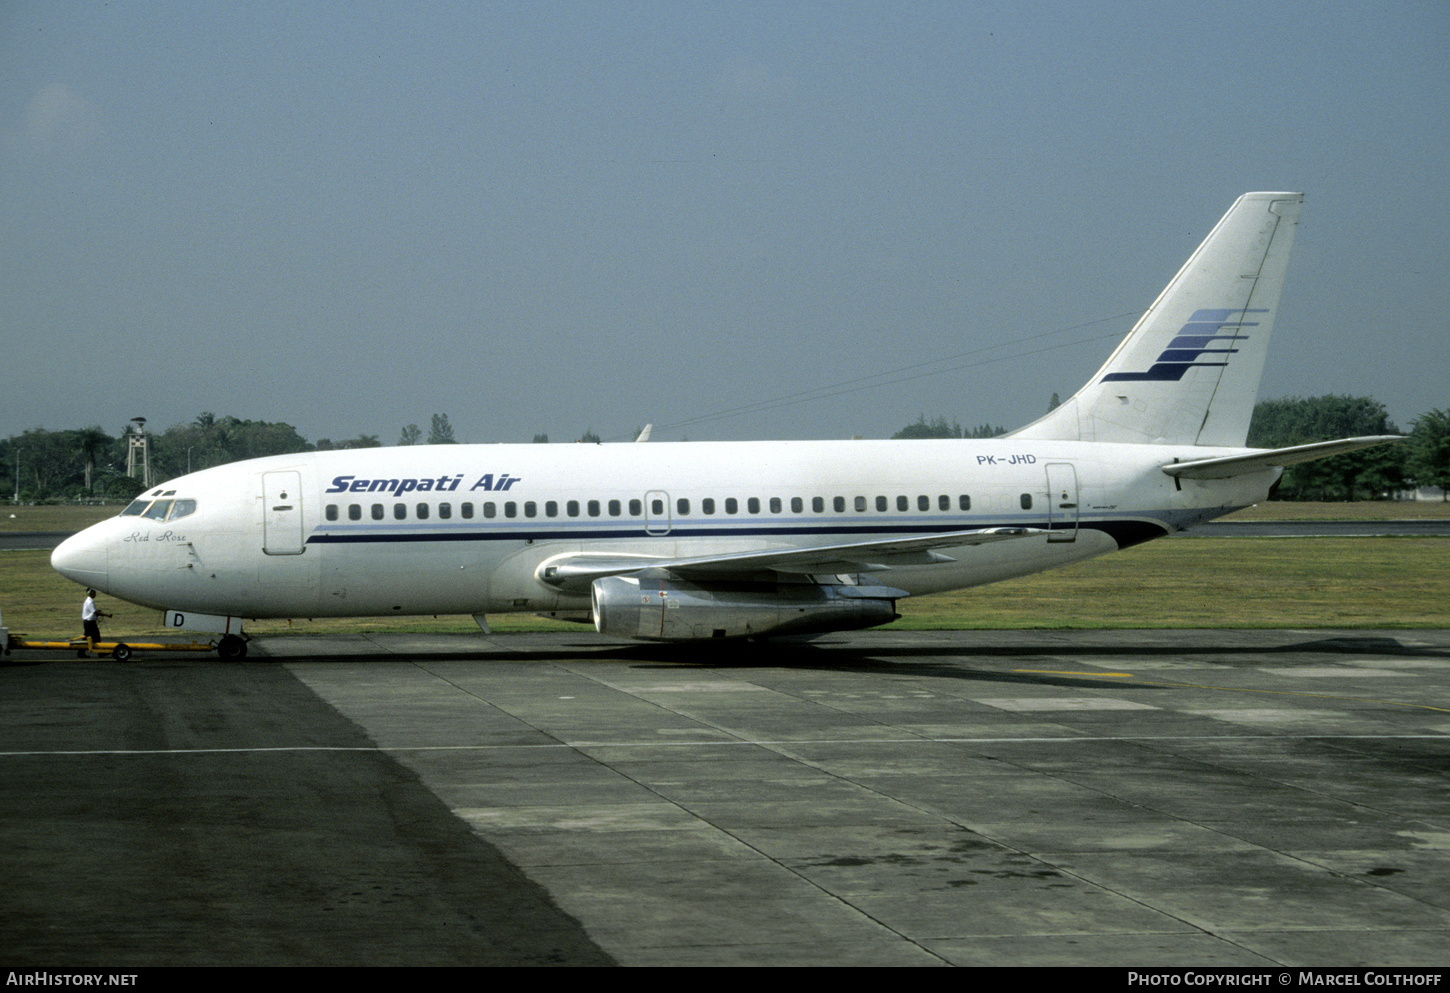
[(82, 558)]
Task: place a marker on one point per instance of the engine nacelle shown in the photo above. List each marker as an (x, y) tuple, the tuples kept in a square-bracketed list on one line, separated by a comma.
[(671, 609)]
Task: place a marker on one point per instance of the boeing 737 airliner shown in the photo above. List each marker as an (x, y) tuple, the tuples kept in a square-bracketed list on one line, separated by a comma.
[(698, 540)]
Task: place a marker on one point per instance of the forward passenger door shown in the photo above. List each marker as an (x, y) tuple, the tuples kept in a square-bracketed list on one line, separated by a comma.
[(282, 513)]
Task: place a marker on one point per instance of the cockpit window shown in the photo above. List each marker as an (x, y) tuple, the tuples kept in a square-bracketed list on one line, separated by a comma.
[(158, 510)]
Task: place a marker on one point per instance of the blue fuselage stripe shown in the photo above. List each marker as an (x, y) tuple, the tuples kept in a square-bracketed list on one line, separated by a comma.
[(525, 533)]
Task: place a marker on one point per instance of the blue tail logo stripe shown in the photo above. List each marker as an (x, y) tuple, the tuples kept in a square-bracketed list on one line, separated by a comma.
[(1193, 341)]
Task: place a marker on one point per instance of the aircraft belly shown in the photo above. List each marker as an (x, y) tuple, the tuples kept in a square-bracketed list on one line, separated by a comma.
[(402, 579), (982, 564)]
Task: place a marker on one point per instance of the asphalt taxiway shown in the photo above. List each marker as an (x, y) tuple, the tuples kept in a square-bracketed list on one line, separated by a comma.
[(880, 798)]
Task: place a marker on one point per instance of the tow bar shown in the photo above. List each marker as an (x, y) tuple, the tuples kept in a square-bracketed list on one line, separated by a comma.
[(229, 647)]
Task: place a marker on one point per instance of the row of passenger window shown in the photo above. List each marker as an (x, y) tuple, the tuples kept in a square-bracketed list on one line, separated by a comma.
[(445, 511), (682, 507)]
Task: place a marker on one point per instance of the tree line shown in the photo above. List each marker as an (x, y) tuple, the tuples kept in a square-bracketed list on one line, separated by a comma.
[(1369, 474), (90, 463), (938, 427)]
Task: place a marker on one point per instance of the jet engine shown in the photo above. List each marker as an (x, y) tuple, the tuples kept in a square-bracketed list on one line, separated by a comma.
[(672, 609)]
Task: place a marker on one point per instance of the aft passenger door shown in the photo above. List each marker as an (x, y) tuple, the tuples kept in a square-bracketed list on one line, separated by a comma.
[(1062, 501), (282, 513)]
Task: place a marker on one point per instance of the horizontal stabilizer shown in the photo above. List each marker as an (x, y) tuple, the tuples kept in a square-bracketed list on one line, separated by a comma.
[(1237, 465), (577, 571)]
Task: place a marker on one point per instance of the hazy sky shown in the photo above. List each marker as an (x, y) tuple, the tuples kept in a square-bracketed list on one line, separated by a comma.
[(544, 217)]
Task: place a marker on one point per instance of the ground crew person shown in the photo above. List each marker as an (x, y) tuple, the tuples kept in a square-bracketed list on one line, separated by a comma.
[(89, 622)]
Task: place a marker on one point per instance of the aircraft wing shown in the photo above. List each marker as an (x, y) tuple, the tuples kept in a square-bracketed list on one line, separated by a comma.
[(577, 571), (1235, 465)]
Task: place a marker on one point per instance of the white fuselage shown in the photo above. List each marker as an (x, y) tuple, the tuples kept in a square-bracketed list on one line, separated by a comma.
[(699, 540), (463, 529)]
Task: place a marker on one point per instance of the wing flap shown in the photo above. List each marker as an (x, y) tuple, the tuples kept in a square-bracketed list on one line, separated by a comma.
[(575, 572)]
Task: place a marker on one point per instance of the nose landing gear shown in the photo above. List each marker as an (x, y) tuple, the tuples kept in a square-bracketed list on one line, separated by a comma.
[(232, 647)]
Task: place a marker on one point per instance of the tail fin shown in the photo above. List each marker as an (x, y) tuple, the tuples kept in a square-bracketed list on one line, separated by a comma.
[(1188, 373)]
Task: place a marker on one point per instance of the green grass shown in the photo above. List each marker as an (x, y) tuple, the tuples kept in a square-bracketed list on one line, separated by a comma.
[(1204, 583), (1363, 510), (48, 517), (1216, 583)]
